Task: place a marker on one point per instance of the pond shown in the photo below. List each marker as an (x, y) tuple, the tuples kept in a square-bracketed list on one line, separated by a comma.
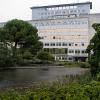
[(18, 77)]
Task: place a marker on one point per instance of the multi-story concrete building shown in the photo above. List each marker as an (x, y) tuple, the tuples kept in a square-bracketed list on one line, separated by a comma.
[(65, 29)]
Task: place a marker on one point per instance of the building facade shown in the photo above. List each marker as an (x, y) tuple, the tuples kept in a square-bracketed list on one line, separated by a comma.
[(65, 29)]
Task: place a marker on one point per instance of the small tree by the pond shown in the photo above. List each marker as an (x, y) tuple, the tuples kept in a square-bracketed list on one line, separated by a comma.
[(94, 50), (45, 56)]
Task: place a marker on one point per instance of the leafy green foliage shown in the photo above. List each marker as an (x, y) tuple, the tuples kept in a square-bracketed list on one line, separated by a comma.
[(6, 59), (20, 36), (43, 55), (3, 35), (36, 47), (94, 50), (98, 76), (90, 91), (27, 55), (24, 57), (84, 65)]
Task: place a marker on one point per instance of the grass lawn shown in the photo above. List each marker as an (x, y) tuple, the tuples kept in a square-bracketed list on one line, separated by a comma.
[(74, 64)]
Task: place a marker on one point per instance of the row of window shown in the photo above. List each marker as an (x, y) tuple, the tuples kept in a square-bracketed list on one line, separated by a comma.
[(63, 37), (62, 44), (77, 51), (60, 16), (56, 50), (61, 23), (60, 12), (70, 58), (62, 7), (64, 51)]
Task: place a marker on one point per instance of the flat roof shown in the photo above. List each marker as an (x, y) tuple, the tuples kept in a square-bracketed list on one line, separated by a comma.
[(60, 5)]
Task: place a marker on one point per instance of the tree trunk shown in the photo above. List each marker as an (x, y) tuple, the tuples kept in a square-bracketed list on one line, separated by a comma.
[(14, 52)]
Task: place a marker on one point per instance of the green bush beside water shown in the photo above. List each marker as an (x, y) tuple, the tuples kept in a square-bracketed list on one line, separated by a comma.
[(74, 64), (88, 89)]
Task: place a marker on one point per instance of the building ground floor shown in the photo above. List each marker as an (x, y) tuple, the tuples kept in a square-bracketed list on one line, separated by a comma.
[(62, 57), (64, 54)]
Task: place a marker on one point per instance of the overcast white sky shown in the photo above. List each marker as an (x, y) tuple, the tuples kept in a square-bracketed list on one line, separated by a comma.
[(20, 9)]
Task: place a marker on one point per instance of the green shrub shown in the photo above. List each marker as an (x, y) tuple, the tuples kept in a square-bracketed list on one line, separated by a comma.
[(45, 56), (92, 90), (74, 91), (69, 63), (84, 64), (25, 58), (27, 55), (6, 59), (24, 62), (98, 76)]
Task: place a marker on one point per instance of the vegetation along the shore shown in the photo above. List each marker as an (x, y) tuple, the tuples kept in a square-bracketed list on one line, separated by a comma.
[(20, 45), (89, 89)]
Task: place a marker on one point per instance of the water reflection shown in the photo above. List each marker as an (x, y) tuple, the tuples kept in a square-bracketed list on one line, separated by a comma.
[(25, 76)]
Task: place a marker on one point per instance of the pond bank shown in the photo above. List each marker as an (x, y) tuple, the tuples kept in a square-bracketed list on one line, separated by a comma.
[(31, 67), (26, 76), (40, 66)]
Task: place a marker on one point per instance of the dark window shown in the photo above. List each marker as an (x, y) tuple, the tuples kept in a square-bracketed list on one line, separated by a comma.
[(83, 51), (52, 44), (82, 44), (69, 44), (71, 51), (70, 58), (66, 50), (77, 51), (64, 44), (53, 37), (76, 44), (46, 44), (58, 44)]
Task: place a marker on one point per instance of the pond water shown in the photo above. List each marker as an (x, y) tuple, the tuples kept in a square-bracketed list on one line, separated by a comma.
[(15, 77)]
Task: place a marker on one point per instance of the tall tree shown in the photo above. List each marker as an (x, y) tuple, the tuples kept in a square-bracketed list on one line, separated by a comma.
[(20, 34), (94, 50)]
